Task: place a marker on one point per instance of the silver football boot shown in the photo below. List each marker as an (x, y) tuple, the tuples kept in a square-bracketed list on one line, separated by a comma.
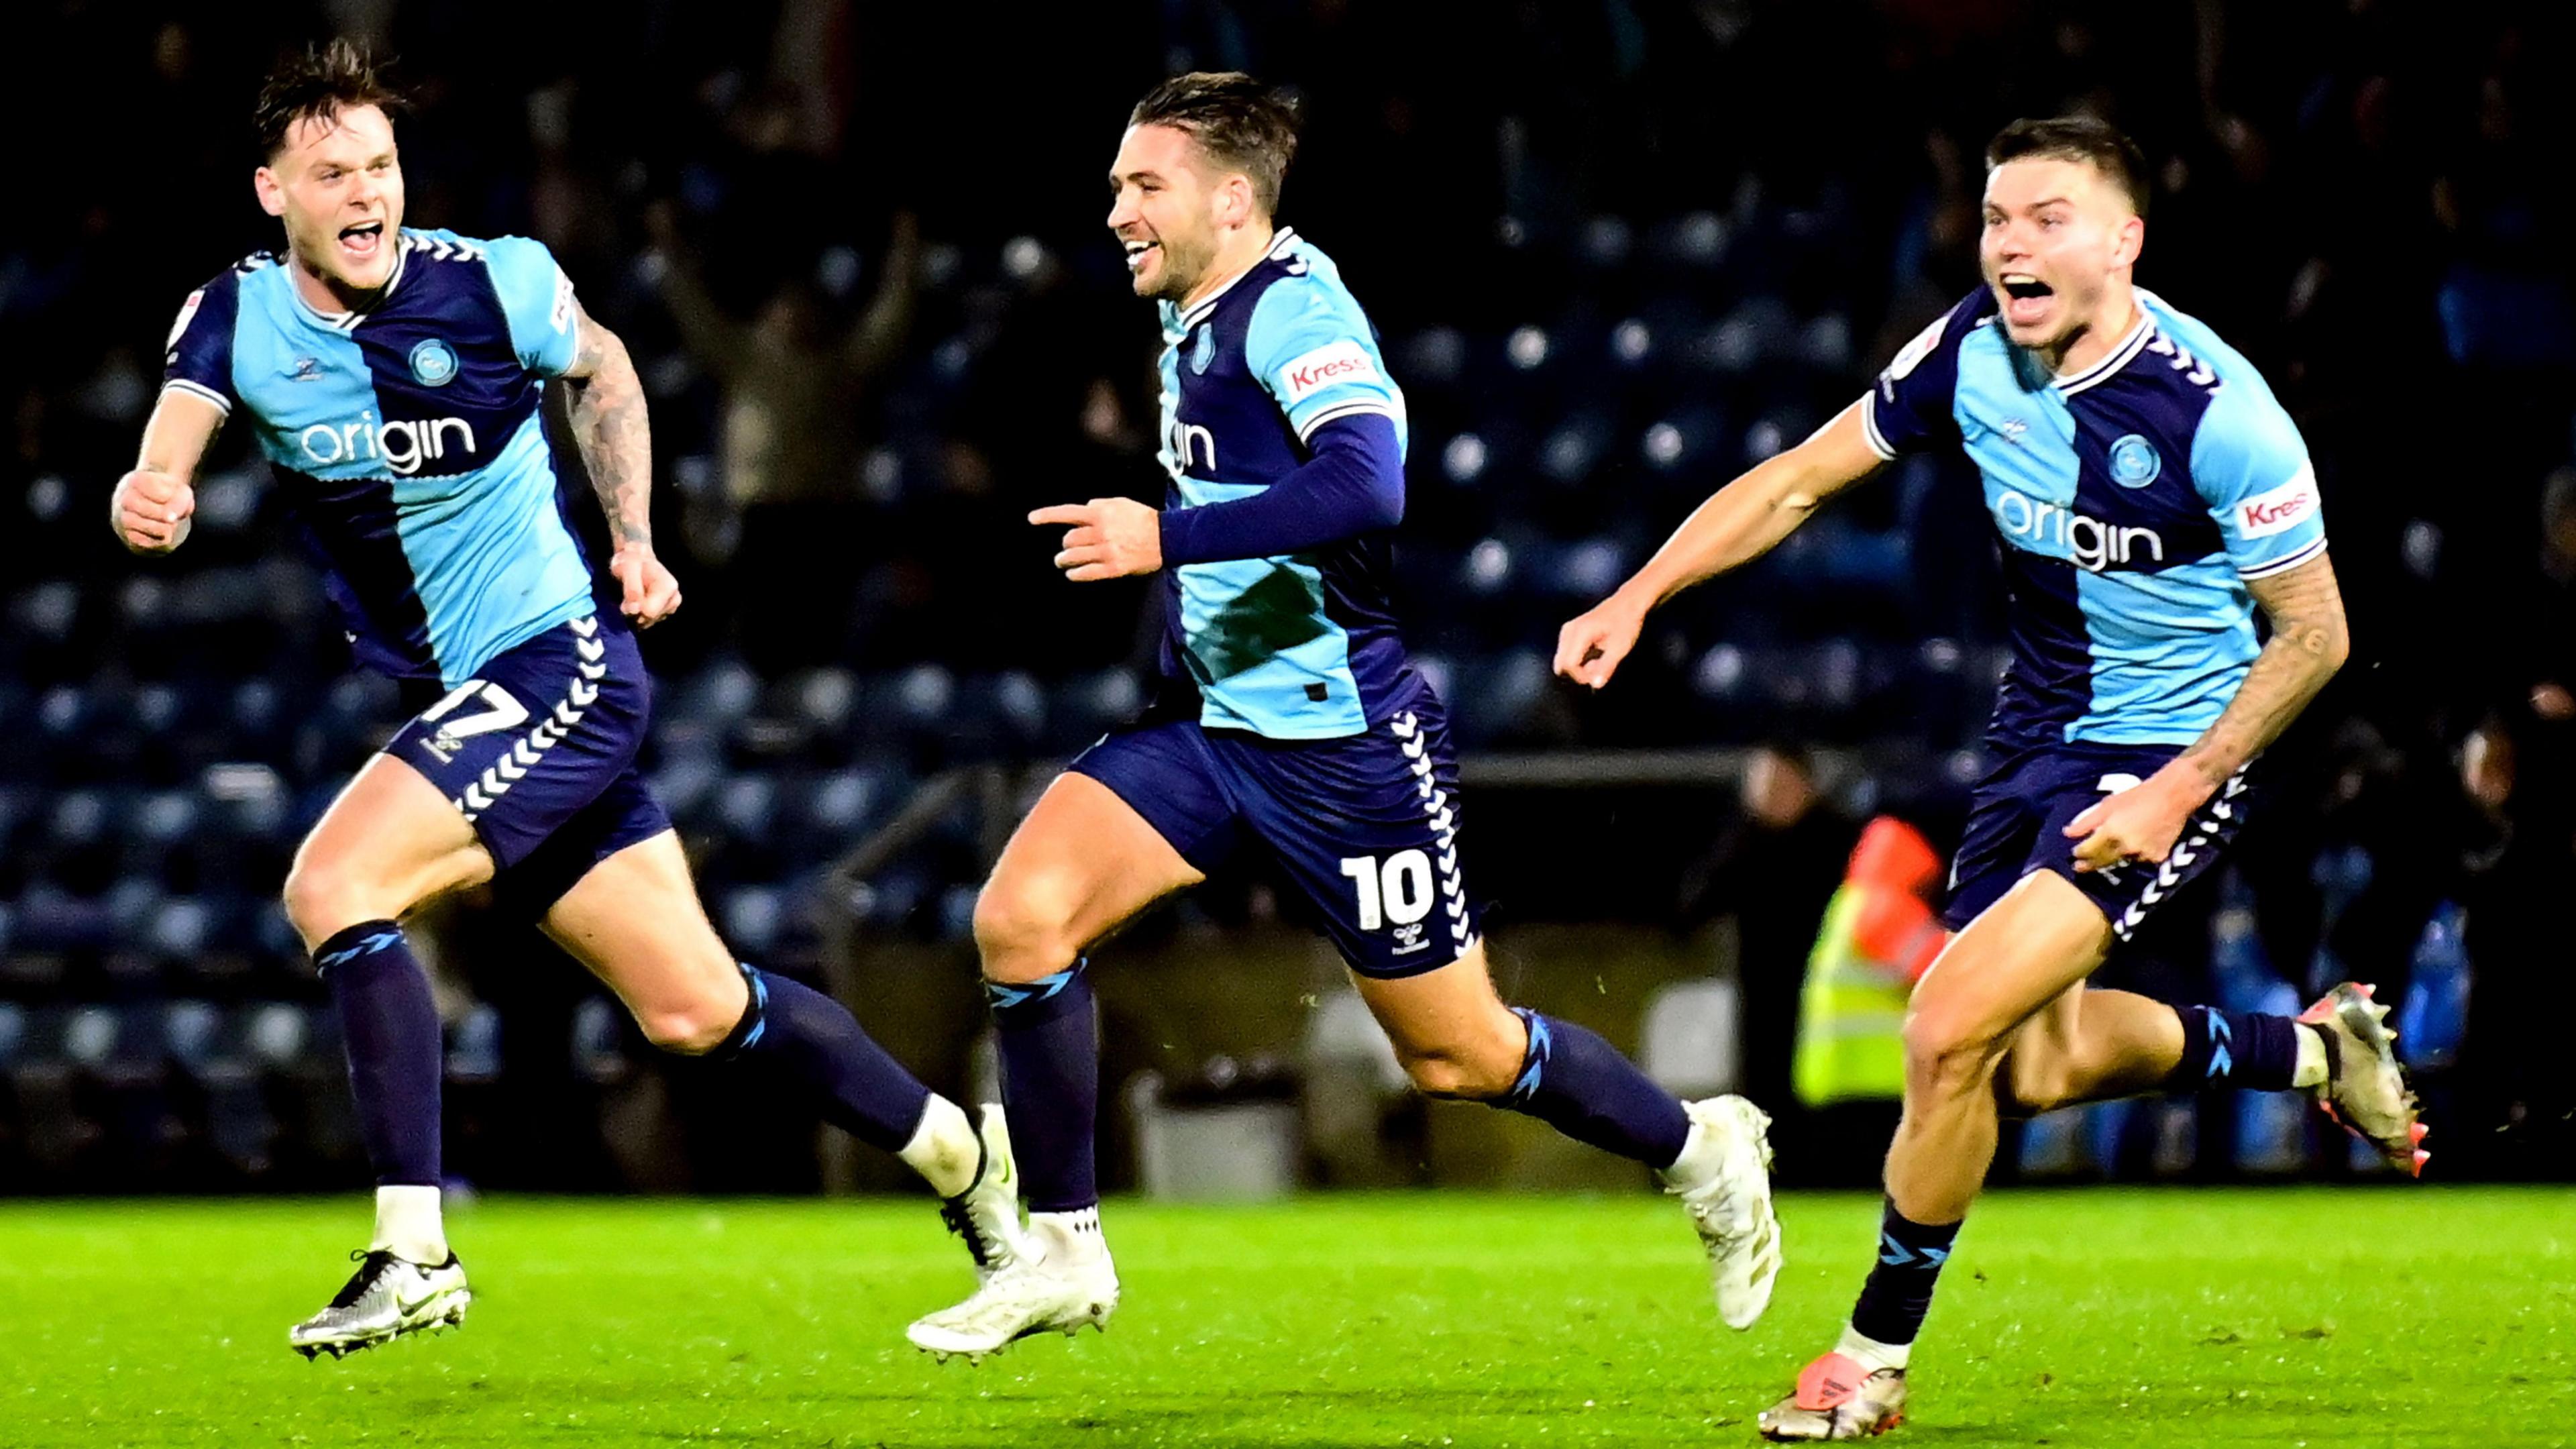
[(2365, 1089), (386, 1298)]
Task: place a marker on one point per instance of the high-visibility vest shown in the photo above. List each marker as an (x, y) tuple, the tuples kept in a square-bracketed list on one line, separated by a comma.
[(1879, 937)]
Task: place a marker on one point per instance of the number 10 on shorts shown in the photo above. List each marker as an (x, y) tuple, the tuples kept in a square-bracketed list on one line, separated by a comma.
[(1397, 889)]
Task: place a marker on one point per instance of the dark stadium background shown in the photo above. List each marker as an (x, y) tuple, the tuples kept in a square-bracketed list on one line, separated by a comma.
[(1617, 251)]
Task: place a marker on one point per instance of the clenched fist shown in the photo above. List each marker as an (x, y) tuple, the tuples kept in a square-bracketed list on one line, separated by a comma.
[(150, 510), (1590, 647), (651, 593)]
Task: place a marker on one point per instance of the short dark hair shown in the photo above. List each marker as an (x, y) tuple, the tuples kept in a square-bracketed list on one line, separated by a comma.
[(1240, 123), (2076, 138), (316, 85)]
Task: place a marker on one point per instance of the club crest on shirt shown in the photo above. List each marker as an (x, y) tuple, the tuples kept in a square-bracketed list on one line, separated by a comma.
[(2134, 462), (1203, 350), (307, 369), (433, 363)]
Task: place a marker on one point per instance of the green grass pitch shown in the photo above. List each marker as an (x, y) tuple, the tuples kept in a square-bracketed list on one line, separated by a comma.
[(2407, 1316)]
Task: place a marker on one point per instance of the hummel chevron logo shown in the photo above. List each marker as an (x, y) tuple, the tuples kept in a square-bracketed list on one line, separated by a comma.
[(590, 648), (592, 671), (582, 694), (585, 627), (374, 943), (442, 250)]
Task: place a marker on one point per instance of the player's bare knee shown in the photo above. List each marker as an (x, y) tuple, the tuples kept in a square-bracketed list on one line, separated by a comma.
[(1947, 1053), (1436, 1074), (1464, 1072), (2029, 1084), (692, 1030), (1020, 934), (322, 900)]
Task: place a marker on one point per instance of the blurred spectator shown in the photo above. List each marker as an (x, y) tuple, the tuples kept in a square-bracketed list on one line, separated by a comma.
[(1772, 870), (792, 379)]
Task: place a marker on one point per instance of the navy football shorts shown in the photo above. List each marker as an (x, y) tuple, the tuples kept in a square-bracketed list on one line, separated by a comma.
[(2018, 816), (538, 752), (1365, 827)]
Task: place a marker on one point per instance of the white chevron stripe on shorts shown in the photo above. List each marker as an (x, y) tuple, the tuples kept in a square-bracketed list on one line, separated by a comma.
[(526, 752), (1407, 729)]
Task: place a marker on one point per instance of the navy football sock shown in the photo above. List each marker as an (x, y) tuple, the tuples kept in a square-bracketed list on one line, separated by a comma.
[(815, 1043), (2235, 1049), (1899, 1291), (389, 1028), (1579, 1084), (1050, 1051)]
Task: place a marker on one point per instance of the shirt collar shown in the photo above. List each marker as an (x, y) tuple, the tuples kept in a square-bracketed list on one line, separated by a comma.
[(346, 322), (1280, 242), (2118, 357)]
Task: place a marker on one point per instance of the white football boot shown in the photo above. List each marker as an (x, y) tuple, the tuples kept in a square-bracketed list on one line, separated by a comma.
[(1059, 1279), (1723, 1178), (385, 1299), (987, 1213)]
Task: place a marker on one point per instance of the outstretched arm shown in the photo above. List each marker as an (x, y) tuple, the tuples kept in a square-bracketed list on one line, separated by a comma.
[(1353, 485), (2309, 643), (1737, 525), (616, 443), (151, 507)]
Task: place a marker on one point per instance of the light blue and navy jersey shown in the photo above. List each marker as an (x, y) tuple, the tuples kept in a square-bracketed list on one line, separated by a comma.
[(2135, 499), (408, 440), (1299, 646)]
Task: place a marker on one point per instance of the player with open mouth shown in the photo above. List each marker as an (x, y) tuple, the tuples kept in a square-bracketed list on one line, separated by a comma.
[(394, 378), (2151, 496)]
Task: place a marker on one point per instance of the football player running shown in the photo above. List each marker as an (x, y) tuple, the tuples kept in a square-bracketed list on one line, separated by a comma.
[(1291, 722), (2151, 496), (393, 379)]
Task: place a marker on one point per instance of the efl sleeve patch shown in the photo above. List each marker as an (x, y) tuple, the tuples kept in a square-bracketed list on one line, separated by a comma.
[(1330, 365), (2281, 509), (187, 314), (198, 357), (1908, 408), (1911, 355), (561, 317)]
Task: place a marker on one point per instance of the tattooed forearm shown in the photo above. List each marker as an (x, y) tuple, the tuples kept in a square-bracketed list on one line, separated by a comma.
[(2308, 645), (609, 427)]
